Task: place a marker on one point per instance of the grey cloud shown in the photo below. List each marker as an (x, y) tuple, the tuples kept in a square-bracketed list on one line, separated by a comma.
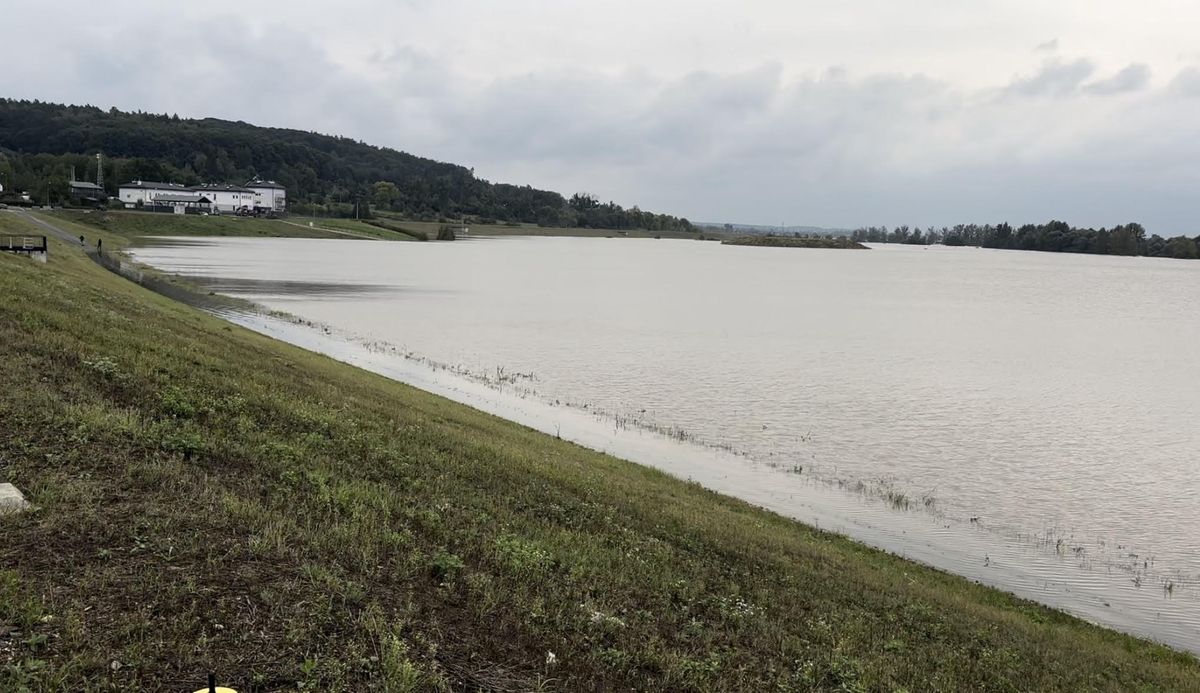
[(1132, 78), (1055, 78), (1048, 47), (1187, 82), (211, 67), (839, 148)]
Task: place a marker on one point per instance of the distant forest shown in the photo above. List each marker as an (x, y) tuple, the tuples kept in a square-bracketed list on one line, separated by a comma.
[(41, 143), (1053, 237)]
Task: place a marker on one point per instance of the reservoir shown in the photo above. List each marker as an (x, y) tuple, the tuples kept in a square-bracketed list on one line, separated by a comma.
[(1028, 420)]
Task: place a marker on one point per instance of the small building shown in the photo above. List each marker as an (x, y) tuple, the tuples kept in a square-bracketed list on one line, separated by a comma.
[(83, 193), (269, 196), (144, 191), (180, 203)]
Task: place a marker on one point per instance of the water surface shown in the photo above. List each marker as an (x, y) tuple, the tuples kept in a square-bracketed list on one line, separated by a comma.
[(1025, 419)]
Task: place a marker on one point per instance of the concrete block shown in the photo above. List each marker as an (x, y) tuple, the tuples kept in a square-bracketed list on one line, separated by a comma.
[(11, 500)]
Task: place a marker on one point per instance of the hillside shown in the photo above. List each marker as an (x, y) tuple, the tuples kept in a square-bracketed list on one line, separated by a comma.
[(41, 142)]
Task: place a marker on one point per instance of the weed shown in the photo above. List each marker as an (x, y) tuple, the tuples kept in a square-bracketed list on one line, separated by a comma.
[(446, 566)]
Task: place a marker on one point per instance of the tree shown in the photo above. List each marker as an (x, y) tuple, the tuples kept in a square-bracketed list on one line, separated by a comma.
[(1126, 240), (1182, 247), (583, 202), (384, 194)]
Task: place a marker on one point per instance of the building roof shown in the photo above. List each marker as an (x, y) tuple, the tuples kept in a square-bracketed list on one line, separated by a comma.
[(84, 185), (176, 197), (152, 185), (264, 185), (220, 187)]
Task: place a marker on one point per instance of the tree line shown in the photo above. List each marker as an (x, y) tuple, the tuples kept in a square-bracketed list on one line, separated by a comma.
[(1053, 237), (40, 144)]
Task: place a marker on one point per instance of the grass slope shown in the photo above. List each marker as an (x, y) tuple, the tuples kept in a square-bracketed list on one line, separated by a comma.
[(130, 225), (354, 226), (212, 499), (430, 228), (136, 224)]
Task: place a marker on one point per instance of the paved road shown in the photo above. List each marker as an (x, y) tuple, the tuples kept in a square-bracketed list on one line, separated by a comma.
[(53, 230)]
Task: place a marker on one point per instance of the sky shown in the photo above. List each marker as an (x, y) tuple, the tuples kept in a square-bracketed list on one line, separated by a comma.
[(835, 113)]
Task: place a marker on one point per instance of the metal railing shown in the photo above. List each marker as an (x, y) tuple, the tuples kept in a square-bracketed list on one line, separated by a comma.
[(23, 244)]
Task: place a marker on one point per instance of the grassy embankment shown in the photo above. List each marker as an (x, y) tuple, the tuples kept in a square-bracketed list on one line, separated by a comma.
[(430, 228), (389, 227), (208, 498), (132, 225), (836, 242)]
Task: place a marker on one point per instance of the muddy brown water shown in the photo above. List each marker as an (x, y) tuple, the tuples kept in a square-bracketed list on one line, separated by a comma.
[(1028, 420)]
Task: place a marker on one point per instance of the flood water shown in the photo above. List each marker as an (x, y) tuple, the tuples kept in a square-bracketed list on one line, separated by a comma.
[(1028, 420)]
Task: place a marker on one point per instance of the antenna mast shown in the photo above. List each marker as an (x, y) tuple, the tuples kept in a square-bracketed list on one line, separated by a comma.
[(99, 170)]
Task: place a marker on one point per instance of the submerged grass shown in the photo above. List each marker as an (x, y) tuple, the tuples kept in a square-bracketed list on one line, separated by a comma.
[(430, 229), (210, 499), (835, 242)]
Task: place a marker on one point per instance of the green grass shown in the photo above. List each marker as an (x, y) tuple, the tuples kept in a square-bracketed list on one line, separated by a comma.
[(131, 225), (210, 499), (431, 229), (15, 223), (354, 226), (403, 228)]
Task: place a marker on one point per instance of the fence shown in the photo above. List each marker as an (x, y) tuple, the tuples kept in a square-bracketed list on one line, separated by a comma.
[(159, 284)]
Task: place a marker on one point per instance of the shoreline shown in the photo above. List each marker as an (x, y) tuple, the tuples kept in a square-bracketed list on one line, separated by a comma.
[(962, 549), (342, 513), (824, 242), (1013, 562)]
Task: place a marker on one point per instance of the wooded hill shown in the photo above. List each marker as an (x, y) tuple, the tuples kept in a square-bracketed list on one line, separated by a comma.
[(40, 144)]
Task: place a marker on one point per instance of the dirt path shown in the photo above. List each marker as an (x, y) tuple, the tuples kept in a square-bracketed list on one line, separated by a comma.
[(340, 232), (51, 228)]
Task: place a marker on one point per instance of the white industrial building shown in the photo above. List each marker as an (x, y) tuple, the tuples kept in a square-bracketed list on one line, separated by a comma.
[(257, 196), (144, 191), (227, 198)]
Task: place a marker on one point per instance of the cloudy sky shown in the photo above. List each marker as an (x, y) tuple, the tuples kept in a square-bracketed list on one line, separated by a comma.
[(824, 112)]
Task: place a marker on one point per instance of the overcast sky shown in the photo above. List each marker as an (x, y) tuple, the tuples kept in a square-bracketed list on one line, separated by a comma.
[(830, 112)]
